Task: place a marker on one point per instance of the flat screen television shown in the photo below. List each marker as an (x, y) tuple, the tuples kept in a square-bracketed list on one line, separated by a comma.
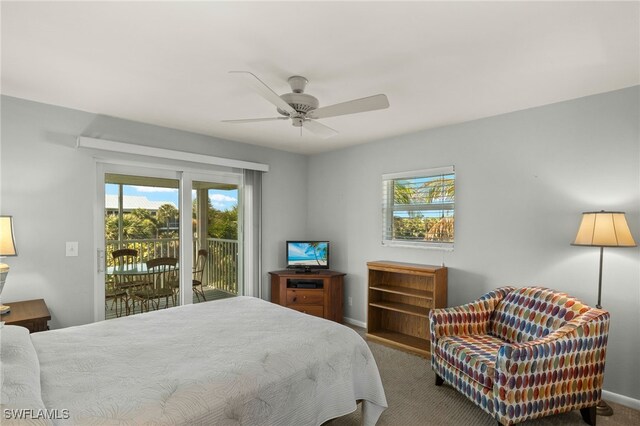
[(307, 255)]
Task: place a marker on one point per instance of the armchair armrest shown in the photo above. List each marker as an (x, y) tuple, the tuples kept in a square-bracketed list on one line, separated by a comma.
[(471, 318), (563, 370)]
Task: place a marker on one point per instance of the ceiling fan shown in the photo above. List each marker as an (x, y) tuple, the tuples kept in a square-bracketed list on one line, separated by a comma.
[(303, 109)]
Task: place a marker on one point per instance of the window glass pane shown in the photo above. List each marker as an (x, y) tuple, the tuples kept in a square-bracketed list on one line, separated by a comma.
[(216, 246), (142, 244), (423, 226), (419, 209)]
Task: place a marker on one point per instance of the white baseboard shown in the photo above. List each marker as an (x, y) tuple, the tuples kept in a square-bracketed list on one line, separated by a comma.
[(354, 322), (621, 399)]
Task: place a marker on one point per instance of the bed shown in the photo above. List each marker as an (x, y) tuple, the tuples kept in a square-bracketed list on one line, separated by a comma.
[(238, 361)]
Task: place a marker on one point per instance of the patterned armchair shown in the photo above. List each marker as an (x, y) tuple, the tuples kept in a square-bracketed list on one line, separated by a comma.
[(522, 353)]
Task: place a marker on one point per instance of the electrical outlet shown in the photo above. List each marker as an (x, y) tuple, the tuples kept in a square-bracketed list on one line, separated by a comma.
[(350, 301), (72, 248)]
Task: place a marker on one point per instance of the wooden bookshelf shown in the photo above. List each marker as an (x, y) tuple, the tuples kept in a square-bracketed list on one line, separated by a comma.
[(400, 298)]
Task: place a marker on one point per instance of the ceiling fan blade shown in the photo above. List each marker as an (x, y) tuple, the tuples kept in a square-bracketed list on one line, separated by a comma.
[(319, 129), (253, 120), (265, 91), (369, 103)]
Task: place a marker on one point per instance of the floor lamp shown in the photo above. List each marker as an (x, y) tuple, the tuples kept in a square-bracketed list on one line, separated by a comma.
[(603, 229)]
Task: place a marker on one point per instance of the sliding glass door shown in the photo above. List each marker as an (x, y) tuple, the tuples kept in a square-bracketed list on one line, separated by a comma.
[(166, 238)]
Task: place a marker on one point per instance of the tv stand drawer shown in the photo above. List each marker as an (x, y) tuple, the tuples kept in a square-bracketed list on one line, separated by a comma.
[(305, 297), (316, 311)]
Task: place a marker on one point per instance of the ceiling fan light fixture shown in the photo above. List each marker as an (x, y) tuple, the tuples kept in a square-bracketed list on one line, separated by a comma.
[(297, 83)]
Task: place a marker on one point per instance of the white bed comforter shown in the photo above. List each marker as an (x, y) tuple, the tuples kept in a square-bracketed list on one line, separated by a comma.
[(239, 361)]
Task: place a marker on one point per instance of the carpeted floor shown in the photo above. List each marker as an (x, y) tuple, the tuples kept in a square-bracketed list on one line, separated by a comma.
[(414, 399)]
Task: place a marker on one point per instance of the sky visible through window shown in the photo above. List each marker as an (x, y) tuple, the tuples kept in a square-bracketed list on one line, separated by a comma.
[(220, 199)]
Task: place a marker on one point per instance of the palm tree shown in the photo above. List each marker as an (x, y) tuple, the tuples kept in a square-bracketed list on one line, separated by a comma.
[(440, 189), (319, 252), (402, 194), (167, 214)]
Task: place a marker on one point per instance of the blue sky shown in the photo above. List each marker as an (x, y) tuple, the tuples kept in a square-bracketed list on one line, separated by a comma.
[(221, 200)]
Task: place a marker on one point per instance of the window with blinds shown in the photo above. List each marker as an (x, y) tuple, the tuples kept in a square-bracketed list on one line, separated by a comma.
[(418, 208)]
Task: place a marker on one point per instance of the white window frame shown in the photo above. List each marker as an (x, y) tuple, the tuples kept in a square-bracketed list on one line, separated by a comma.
[(388, 208)]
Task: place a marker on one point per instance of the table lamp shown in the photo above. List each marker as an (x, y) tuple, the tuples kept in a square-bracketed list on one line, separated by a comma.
[(603, 229), (7, 248)]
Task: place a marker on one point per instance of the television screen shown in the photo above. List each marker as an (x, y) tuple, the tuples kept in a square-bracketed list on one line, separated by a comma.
[(308, 254)]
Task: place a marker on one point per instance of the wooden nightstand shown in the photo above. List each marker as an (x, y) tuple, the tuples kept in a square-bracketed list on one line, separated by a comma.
[(32, 314)]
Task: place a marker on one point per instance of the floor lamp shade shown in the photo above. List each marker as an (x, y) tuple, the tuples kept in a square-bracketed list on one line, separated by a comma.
[(604, 229)]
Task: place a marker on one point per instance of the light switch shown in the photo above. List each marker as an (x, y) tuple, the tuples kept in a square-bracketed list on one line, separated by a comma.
[(72, 248)]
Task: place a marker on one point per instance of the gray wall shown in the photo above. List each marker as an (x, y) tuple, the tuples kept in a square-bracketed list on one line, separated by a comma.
[(522, 181), (49, 188)]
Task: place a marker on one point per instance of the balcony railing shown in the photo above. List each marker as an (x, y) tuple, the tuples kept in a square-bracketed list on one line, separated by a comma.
[(221, 271)]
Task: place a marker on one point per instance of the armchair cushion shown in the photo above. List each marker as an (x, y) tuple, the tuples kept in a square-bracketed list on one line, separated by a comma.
[(473, 355)]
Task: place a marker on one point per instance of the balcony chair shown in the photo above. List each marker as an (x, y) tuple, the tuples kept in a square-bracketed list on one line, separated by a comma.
[(116, 295), (164, 276), (125, 285), (523, 353), (198, 270)]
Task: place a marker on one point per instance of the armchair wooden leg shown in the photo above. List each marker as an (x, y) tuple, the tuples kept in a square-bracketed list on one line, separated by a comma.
[(589, 415), (439, 381)]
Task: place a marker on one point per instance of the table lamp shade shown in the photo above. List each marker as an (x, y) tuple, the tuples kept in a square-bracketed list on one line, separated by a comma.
[(7, 240), (7, 248), (604, 229)]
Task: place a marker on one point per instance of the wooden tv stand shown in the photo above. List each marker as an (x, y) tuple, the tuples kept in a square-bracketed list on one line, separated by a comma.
[(318, 293)]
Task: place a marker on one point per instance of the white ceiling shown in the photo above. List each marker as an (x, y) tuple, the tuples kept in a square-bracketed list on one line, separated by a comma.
[(438, 62)]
